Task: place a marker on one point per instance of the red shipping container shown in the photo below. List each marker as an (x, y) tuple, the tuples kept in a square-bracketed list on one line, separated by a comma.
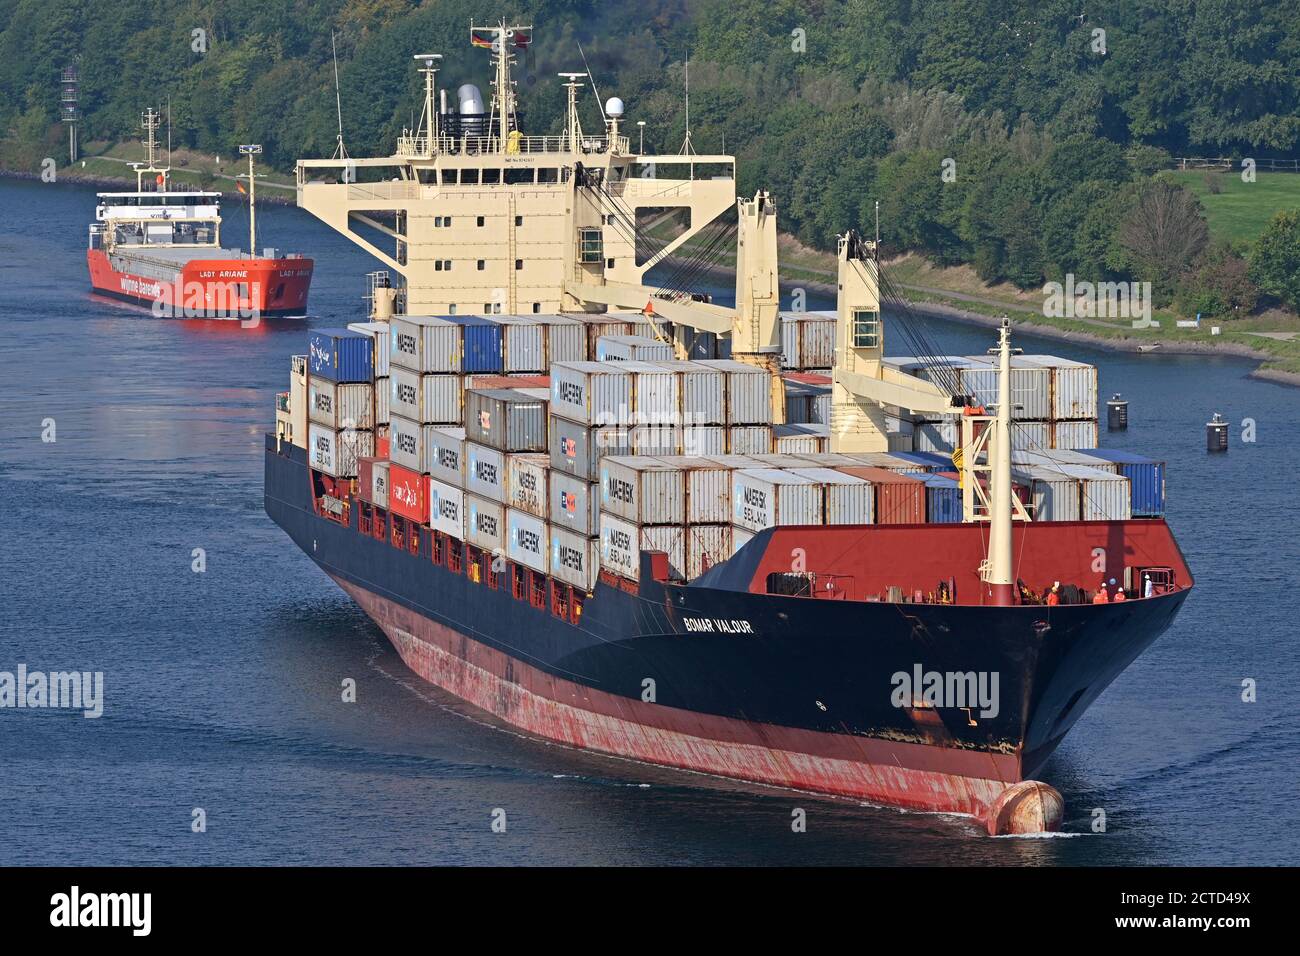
[(900, 499), (381, 446), (407, 494)]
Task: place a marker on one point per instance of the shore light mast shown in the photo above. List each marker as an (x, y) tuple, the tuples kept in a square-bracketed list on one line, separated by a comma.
[(250, 150)]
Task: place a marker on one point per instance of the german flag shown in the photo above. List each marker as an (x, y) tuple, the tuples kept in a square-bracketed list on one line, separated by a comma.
[(483, 40)]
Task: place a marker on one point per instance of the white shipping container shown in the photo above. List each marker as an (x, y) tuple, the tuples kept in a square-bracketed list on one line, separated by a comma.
[(382, 401), (707, 487), (704, 440), (566, 339), (655, 439), (1031, 436), (621, 544), (337, 405), (485, 524), (485, 472), (1071, 435), (575, 558), (706, 546), (847, 499), (740, 537), (598, 325), (1049, 457), (406, 443), (378, 331), (576, 449), (765, 497), (446, 509), (526, 481), (749, 392), (424, 344), (429, 399), (574, 504), (807, 340), (939, 437), (1031, 385), (379, 483), (642, 490), (749, 440), (527, 540), (591, 393), (335, 452), (703, 392), (523, 343), (632, 348), (1055, 495), (444, 454), (656, 394), (1074, 386)]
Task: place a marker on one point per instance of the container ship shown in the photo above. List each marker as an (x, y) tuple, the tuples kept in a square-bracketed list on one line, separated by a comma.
[(731, 540), (161, 248)]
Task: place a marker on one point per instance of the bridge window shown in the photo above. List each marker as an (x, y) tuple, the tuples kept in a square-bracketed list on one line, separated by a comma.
[(548, 175), (469, 177), (491, 177), (515, 177), (866, 329), (449, 177)]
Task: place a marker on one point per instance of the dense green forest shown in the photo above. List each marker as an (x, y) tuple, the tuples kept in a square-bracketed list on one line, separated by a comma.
[(1021, 136)]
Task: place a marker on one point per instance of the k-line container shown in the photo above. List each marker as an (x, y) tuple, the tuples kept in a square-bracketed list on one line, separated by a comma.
[(1074, 435), (372, 481), (527, 540), (446, 509), (847, 499), (434, 399), (566, 339), (574, 504), (335, 451), (766, 497), (592, 393), (707, 486), (382, 403), (523, 343), (485, 472), (704, 440), (444, 455), (703, 392), (378, 333), (337, 405), (749, 440), (621, 544), (1146, 478), (624, 348), (485, 524), (341, 355), (706, 545), (512, 420), (642, 490), (406, 443), (1074, 386), (575, 558), (807, 340), (943, 504), (526, 484), (408, 495), (576, 449), (900, 499), (749, 392)]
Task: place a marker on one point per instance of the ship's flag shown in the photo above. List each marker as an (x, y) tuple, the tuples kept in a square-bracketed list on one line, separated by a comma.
[(522, 40), (240, 186), (162, 180), (482, 40)]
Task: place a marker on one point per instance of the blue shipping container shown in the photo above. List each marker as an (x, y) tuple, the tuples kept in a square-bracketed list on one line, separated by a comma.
[(930, 460), (1146, 478), (942, 500), (341, 355), (482, 352)]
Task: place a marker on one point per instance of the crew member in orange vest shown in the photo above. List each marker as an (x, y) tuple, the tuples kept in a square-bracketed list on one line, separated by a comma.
[(1054, 595), (1102, 596), (1119, 592)]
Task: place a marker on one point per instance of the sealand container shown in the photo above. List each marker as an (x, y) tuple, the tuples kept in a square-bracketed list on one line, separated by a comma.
[(749, 440), (485, 472), (592, 393), (706, 545), (334, 452), (642, 490), (527, 540), (378, 332), (407, 494), (341, 355), (621, 544), (1074, 435), (900, 499), (434, 399), (406, 443), (527, 476), (749, 392), (574, 504), (943, 500), (847, 498), (576, 449), (446, 509), (704, 440), (523, 343), (575, 558), (444, 455), (337, 405), (424, 344), (703, 392), (1146, 478), (632, 348), (508, 419), (372, 480), (767, 497), (485, 524)]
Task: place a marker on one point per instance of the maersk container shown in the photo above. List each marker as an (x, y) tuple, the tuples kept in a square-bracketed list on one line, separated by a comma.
[(526, 479), (378, 332), (1146, 478), (576, 448), (706, 545), (425, 344), (642, 490), (523, 343), (739, 538), (372, 481), (428, 399), (621, 544), (512, 420), (485, 472), (444, 455), (1074, 386), (592, 393), (406, 443), (1054, 494), (598, 325), (766, 497), (1074, 435), (847, 499), (574, 504), (383, 401), (900, 499), (485, 524), (703, 392), (341, 355), (655, 439), (749, 392), (566, 339), (704, 440), (335, 451), (337, 405), (634, 348), (707, 486), (575, 558), (749, 440), (943, 500), (527, 541), (447, 509)]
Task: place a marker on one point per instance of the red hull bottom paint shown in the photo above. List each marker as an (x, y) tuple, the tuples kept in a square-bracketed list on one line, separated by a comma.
[(869, 769)]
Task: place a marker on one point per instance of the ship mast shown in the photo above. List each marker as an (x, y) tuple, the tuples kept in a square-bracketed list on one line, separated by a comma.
[(429, 118), (997, 573), (150, 120), (503, 95), (250, 150)]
